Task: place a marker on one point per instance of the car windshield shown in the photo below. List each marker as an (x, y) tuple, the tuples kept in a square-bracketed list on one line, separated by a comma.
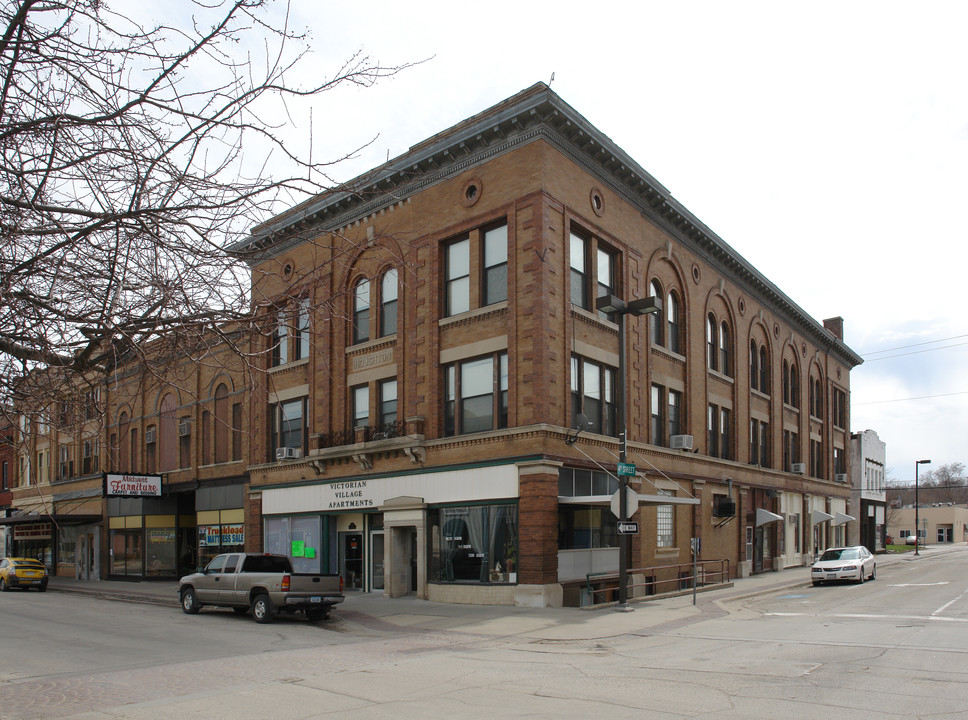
[(839, 554)]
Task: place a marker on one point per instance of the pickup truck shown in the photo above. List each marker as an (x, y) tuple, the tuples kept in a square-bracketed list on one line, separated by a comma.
[(264, 583)]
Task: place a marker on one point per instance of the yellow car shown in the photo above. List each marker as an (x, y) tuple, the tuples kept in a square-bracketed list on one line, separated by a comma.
[(22, 572)]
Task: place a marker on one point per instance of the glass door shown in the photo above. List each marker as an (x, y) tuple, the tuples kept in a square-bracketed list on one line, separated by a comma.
[(376, 561)]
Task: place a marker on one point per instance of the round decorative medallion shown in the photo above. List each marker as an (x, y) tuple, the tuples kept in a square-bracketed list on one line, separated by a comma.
[(696, 275), (287, 271), (803, 349), (471, 192), (597, 201), (776, 330), (742, 306)]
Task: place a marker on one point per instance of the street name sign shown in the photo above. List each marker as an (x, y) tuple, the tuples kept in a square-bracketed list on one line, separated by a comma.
[(626, 469)]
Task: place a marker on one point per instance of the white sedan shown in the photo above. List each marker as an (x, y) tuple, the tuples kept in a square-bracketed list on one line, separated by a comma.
[(848, 563)]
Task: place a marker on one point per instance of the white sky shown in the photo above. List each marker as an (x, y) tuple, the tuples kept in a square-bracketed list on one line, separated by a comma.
[(826, 142)]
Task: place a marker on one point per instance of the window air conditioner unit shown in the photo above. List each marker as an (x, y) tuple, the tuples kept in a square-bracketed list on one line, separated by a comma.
[(681, 442), (184, 428), (288, 453), (798, 468), (841, 477), (149, 435)]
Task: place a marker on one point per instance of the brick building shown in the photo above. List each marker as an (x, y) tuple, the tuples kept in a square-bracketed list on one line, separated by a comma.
[(431, 340)]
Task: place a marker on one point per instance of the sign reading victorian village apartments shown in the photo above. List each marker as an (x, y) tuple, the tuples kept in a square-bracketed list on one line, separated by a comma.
[(128, 485)]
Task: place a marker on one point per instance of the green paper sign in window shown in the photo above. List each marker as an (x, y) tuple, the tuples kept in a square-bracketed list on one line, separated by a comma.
[(310, 552), (298, 548)]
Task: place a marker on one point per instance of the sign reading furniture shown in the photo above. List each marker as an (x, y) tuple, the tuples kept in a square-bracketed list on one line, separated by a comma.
[(128, 485)]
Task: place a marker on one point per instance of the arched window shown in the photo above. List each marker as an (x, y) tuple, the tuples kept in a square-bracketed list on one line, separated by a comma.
[(764, 371), (817, 398), (655, 322), (794, 386), (388, 303), (672, 318), (124, 446), (725, 365), (754, 366), (711, 354), (222, 424), (361, 311), (167, 434), (786, 382)]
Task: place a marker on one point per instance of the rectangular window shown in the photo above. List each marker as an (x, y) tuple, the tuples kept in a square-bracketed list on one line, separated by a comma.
[(360, 397), (579, 277), (712, 437), (361, 311), (605, 275), (816, 458), (280, 341), (66, 463), (300, 344), (458, 278), (474, 544), (5, 475), (664, 522), (675, 413), (593, 395), (288, 425), (388, 303), (495, 265), (658, 421), (91, 462), (582, 527), (388, 402), (475, 395), (725, 446)]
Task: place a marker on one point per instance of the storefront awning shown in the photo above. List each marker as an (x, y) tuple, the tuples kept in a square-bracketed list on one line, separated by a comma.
[(765, 516), (819, 516), (842, 519)]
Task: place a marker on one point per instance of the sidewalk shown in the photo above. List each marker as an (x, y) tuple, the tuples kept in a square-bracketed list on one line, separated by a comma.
[(376, 611)]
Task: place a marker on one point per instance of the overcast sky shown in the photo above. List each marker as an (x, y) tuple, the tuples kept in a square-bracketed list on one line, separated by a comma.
[(826, 142)]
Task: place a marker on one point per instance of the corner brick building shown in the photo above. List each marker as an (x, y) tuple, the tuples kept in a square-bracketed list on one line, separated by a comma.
[(431, 340)]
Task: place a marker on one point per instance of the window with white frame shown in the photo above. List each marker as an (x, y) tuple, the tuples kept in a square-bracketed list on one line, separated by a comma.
[(665, 522), (593, 393)]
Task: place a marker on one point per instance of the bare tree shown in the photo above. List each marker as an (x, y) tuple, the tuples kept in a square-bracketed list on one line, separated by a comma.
[(129, 156)]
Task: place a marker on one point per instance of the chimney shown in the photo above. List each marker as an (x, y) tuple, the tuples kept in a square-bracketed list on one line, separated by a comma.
[(835, 326)]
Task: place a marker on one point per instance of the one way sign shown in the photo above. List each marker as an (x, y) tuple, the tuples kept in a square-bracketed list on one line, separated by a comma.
[(628, 528)]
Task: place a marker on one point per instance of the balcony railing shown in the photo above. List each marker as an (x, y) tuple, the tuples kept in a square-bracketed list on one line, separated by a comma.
[(363, 433)]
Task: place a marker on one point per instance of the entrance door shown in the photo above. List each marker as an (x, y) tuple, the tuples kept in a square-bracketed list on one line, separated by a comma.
[(758, 549), (351, 560), (377, 560)]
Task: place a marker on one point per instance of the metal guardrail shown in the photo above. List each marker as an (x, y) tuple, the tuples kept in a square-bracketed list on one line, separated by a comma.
[(602, 587)]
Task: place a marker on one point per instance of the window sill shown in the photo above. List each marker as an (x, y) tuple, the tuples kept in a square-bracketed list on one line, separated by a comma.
[(289, 366), (481, 312)]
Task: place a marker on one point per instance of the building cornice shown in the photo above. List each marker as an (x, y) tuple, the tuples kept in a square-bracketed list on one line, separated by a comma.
[(536, 113)]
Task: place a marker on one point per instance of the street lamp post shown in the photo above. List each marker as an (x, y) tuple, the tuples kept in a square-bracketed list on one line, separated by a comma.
[(917, 505), (612, 305)]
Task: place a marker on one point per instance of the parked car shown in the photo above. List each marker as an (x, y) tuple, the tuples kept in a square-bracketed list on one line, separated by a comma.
[(846, 563), (262, 582), (23, 573), (910, 540)]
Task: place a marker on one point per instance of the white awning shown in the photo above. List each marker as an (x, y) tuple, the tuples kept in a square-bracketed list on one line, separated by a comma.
[(819, 516), (842, 519), (765, 516)]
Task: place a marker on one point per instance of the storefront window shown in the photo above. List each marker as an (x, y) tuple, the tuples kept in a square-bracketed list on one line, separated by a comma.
[(299, 538), (475, 544), (67, 544), (586, 526), (162, 550), (127, 551), (223, 538)]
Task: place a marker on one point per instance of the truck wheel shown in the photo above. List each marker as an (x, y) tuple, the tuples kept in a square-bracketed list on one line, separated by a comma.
[(316, 614), (262, 609), (189, 602)]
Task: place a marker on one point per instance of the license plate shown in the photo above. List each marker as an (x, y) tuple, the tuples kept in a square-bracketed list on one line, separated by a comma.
[(832, 576), (315, 599)]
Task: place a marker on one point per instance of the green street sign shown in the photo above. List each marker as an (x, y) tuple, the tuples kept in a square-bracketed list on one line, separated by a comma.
[(626, 469)]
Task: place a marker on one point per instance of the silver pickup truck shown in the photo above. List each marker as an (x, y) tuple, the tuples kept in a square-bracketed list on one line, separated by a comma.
[(264, 583)]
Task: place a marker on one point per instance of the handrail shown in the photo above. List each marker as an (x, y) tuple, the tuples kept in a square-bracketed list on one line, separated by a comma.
[(708, 572)]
